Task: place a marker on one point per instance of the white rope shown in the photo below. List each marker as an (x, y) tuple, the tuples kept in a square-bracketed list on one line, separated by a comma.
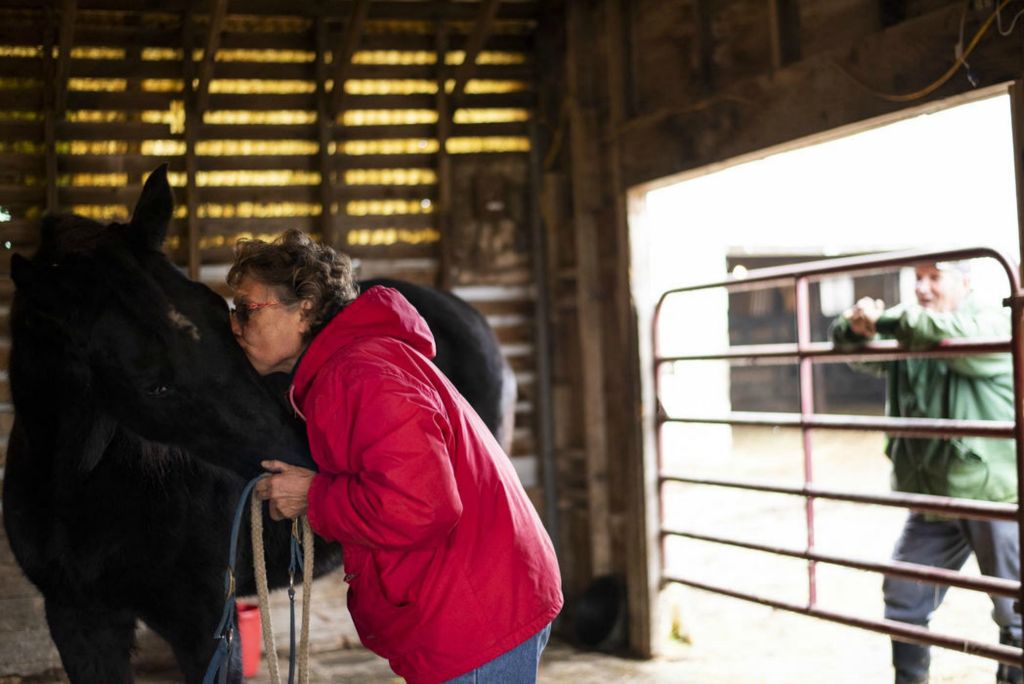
[(259, 564)]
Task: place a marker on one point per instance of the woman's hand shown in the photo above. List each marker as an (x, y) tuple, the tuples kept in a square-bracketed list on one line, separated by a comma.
[(287, 489)]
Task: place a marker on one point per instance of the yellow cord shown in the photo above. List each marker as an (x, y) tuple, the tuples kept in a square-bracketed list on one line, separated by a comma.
[(932, 87)]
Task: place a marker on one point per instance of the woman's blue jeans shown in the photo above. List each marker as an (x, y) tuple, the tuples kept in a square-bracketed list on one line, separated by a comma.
[(518, 666)]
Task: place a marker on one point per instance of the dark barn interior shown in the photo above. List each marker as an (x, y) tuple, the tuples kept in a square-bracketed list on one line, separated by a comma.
[(486, 147)]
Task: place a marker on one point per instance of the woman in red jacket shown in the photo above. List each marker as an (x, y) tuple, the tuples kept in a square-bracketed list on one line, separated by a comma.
[(451, 574)]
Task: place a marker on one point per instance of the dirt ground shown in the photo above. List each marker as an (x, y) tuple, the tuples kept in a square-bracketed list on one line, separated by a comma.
[(721, 639)]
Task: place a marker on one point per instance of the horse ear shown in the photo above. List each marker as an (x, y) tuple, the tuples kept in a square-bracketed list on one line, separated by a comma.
[(22, 272), (153, 211)]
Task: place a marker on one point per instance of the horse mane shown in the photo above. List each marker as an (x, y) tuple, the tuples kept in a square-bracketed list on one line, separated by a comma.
[(66, 233)]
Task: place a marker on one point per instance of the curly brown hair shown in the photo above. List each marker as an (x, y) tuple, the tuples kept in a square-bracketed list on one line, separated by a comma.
[(299, 269)]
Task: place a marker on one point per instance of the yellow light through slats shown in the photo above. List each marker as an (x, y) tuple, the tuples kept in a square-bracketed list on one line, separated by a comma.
[(101, 212), (266, 56), (391, 236), (95, 116), (163, 148), (408, 146), (479, 116), (388, 207), (258, 210), (76, 147), (245, 117), (20, 51), (97, 53), (247, 86), (152, 54), (394, 57), (105, 85), (162, 85), (409, 86), (487, 57), (390, 177), (474, 145), (228, 179), (96, 180), (221, 148), (387, 117)]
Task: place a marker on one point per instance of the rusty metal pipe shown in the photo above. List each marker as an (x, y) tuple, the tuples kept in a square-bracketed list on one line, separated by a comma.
[(943, 505), (992, 586), (902, 630), (904, 427)]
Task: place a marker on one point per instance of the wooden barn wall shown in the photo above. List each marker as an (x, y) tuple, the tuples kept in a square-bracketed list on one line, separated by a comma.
[(95, 94), (649, 89)]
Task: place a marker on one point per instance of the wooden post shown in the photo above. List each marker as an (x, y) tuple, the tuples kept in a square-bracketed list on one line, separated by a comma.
[(1017, 124), (55, 91), (475, 43), (587, 194), (343, 55), (218, 12), (325, 130), (640, 577), (443, 202), (193, 119)]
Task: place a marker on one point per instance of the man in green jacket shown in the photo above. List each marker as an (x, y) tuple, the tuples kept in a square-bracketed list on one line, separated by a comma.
[(976, 387)]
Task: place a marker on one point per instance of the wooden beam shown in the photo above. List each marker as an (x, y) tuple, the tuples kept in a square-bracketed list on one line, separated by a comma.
[(193, 120), (477, 39), (642, 562), (443, 203), (68, 10), (343, 55), (325, 132), (587, 205), (218, 12), (821, 93), (1017, 123)]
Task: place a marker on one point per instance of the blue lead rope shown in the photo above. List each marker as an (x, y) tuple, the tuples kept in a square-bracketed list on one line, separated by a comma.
[(225, 632)]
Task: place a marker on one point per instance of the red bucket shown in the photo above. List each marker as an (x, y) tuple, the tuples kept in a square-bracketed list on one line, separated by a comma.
[(250, 636)]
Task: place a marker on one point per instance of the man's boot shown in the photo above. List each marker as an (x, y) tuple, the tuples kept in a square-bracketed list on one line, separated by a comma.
[(1009, 674), (910, 662)]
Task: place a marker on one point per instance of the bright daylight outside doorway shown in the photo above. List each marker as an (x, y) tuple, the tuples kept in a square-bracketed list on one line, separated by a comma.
[(938, 180)]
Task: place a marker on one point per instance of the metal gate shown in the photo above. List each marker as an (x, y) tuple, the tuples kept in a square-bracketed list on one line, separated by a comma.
[(805, 353)]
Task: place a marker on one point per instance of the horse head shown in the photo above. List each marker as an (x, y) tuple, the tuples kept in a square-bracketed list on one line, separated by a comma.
[(110, 334)]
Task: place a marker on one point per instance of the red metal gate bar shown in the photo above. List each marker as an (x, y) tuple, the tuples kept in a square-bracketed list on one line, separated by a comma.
[(903, 630), (805, 352), (824, 352), (965, 508), (906, 427), (864, 265), (992, 586)]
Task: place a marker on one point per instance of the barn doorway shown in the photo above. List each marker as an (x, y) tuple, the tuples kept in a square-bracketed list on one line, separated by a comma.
[(940, 178)]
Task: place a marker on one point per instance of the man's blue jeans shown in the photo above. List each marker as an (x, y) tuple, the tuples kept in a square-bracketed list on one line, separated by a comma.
[(948, 543), (518, 666)]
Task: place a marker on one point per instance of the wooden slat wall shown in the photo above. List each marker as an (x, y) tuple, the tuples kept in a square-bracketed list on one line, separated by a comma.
[(258, 161)]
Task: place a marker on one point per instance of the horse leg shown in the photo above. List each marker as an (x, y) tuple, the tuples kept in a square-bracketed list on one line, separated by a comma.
[(188, 628), (94, 641)]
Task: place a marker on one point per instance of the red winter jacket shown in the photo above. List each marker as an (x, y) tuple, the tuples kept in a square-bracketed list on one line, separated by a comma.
[(447, 562)]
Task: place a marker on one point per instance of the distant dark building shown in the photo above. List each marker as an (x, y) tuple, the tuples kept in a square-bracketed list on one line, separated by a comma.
[(769, 317)]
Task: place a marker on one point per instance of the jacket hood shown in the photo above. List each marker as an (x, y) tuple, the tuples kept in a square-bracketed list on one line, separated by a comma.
[(378, 312)]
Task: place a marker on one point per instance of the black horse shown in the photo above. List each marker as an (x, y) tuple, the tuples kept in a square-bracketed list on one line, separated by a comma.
[(138, 420)]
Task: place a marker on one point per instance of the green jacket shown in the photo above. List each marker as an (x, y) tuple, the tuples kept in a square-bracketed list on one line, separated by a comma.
[(976, 387)]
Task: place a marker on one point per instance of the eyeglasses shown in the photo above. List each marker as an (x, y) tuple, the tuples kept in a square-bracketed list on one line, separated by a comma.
[(243, 311)]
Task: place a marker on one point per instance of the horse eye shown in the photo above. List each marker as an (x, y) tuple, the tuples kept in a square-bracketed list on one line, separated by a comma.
[(158, 390)]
